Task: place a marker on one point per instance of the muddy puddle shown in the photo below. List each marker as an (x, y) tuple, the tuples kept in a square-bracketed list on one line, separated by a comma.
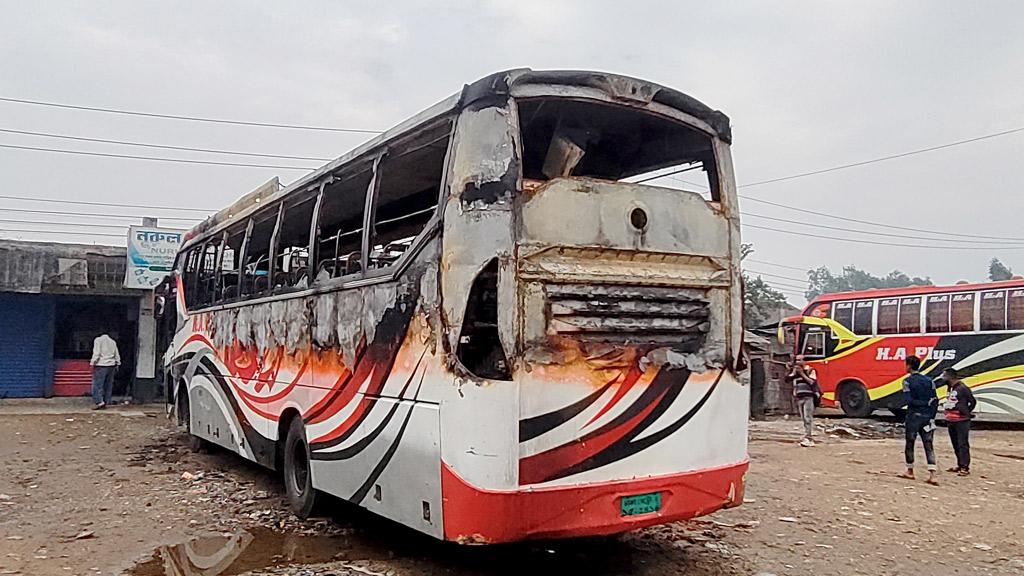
[(261, 550), (251, 549)]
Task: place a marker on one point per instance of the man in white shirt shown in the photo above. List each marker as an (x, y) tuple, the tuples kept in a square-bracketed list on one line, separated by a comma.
[(105, 360)]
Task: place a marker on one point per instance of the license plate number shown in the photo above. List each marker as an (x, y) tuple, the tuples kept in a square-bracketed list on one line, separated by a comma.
[(641, 504)]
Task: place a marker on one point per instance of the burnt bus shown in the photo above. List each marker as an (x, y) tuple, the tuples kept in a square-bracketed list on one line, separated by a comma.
[(502, 319)]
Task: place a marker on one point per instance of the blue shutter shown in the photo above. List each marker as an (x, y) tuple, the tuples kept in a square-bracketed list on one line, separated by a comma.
[(26, 345)]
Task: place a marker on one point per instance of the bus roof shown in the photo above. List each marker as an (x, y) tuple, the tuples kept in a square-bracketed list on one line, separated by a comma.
[(913, 290), (498, 85)]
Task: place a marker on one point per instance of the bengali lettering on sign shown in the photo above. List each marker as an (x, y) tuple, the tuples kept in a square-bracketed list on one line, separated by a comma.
[(151, 254)]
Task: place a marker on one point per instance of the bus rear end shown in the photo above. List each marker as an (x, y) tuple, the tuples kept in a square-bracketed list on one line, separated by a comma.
[(618, 312)]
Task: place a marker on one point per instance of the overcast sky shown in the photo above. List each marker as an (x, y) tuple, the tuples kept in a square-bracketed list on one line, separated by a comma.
[(808, 85)]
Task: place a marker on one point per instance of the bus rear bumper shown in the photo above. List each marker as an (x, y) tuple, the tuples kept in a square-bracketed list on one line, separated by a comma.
[(475, 516)]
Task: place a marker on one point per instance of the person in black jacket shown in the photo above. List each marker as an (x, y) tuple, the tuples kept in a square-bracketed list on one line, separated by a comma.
[(957, 409), (922, 405)]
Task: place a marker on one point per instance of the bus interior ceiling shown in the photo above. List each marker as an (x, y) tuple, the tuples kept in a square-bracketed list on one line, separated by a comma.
[(80, 319)]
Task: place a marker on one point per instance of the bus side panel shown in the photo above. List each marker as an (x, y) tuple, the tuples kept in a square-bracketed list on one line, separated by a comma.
[(990, 363), (392, 467), (666, 422), (216, 412), (209, 416), (993, 366)]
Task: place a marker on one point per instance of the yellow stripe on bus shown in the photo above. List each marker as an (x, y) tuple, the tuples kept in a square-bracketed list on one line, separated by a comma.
[(973, 381), (886, 389), (994, 376), (857, 346)]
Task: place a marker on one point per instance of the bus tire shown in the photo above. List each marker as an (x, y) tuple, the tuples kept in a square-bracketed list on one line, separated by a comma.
[(298, 479), (854, 399)]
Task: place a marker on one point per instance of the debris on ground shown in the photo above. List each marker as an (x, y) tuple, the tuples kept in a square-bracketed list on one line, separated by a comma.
[(832, 509)]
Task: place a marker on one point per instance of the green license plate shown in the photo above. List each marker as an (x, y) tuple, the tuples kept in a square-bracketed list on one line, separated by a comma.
[(641, 504)]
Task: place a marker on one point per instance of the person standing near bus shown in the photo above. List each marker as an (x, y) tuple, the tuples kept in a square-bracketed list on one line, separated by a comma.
[(922, 406), (104, 362), (807, 394), (957, 410)]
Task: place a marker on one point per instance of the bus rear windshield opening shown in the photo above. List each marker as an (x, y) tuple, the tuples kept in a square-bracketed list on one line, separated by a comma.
[(572, 138)]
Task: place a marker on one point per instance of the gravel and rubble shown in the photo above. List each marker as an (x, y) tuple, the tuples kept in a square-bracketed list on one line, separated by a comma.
[(102, 494)]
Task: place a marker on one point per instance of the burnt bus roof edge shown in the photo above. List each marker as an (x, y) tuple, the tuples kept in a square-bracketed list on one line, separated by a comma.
[(488, 89)]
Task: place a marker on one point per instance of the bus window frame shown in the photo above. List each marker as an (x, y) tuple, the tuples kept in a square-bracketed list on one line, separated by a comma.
[(835, 307), (974, 311), (243, 254), (1006, 310), (976, 293), (873, 321), (380, 169), (1009, 296), (363, 277), (949, 308), (807, 337), (878, 310), (920, 315)]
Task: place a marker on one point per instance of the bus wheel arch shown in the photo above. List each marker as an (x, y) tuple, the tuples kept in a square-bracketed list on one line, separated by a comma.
[(179, 397), (284, 423), (184, 414), (853, 398), (296, 469)]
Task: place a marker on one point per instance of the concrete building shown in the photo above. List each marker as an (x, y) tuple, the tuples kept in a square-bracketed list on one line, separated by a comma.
[(55, 299)]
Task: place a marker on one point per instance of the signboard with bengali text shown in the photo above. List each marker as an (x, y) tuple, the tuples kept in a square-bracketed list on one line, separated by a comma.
[(150, 255)]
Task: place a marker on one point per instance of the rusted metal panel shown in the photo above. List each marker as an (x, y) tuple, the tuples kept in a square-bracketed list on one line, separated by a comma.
[(678, 222), (340, 320), (478, 221), (614, 266)]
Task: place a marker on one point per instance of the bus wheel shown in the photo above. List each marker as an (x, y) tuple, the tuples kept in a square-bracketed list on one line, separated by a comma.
[(854, 400), (298, 481)]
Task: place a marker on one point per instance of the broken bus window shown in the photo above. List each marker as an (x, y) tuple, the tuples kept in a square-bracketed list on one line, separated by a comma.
[(572, 138)]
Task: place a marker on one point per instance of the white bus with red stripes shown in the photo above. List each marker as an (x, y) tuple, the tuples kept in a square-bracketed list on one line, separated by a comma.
[(502, 319)]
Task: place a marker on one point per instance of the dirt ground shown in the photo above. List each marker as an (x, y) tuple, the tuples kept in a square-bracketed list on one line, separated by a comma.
[(104, 493)]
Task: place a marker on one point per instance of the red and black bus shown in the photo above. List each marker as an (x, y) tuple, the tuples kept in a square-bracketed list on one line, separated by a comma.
[(858, 341)]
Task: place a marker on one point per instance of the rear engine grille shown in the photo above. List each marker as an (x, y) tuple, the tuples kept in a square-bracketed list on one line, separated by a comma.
[(629, 314)]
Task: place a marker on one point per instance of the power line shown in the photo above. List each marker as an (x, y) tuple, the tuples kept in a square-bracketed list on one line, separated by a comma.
[(880, 224), (155, 158), (884, 158), (667, 174), (777, 283), (71, 232), (75, 224), (786, 290), (769, 274), (862, 162), (189, 118), (94, 214), (854, 240), (111, 204), (163, 146), (888, 234), (797, 268)]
